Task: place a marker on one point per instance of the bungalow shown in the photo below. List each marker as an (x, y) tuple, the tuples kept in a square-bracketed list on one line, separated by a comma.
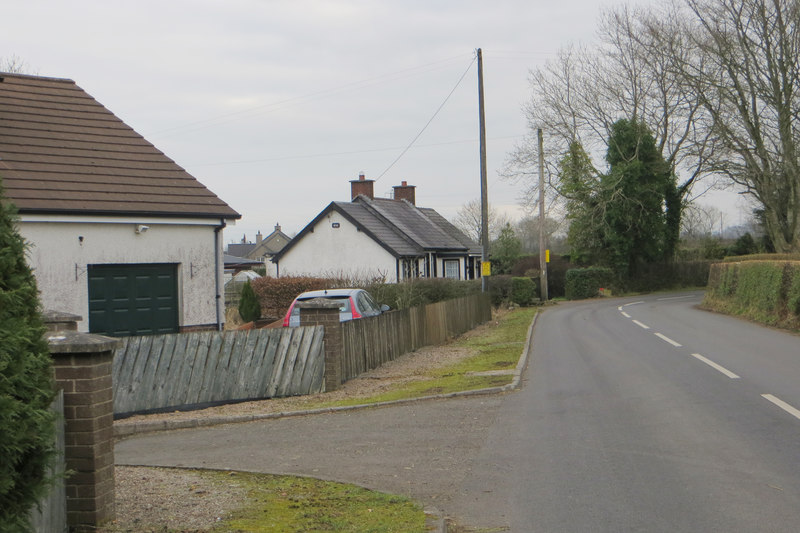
[(119, 234), (379, 238)]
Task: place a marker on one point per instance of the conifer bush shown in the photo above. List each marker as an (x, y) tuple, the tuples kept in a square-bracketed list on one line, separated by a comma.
[(249, 306), (26, 384)]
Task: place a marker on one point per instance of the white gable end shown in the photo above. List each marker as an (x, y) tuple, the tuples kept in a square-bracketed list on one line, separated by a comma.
[(337, 248)]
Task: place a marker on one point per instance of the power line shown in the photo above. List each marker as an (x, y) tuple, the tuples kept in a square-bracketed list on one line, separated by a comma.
[(407, 148), (296, 100)]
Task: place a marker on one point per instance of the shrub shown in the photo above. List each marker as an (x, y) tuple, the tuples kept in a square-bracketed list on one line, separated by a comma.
[(583, 283), (26, 387), (500, 290), (523, 291), (249, 306)]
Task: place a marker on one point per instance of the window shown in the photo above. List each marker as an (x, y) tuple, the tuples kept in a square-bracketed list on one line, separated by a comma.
[(452, 268)]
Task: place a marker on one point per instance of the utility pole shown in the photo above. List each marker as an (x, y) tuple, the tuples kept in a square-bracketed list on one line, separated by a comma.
[(542, 240), (484, 186)]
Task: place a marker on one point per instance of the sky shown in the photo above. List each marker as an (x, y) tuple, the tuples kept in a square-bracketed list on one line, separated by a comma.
[(276, 105)]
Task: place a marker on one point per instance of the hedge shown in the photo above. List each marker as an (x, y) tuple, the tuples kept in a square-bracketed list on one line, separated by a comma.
[(583, 283), (765, 291)]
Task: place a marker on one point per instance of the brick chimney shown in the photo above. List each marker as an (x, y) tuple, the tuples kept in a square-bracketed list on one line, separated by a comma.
[(362, 186), (404, 191), (259, 237)]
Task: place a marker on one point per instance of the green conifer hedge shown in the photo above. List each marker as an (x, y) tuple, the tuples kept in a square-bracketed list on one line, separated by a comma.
[(26, 383)]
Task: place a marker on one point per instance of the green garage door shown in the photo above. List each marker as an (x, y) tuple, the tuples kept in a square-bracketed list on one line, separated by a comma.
[(133, 299)]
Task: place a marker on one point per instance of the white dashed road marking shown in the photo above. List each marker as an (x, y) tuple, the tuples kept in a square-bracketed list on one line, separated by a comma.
[(643, 326), (715, 366), (783, 405), (667, 339)]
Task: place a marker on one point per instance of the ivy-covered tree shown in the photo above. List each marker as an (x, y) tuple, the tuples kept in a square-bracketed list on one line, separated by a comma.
[(626, 216), (249, 306), (26, 383)]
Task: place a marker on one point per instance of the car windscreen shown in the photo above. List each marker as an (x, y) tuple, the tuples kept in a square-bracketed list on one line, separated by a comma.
[(343, 301)]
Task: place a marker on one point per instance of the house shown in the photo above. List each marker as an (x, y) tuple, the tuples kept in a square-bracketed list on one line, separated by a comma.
[(263, 250), (118, 232), (380, 238)]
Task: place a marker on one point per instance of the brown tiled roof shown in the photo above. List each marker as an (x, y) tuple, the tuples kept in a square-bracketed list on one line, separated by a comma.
[(61, 151)]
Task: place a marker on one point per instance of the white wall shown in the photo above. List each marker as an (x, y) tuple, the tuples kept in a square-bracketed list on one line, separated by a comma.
[(342, 251), (59, 258)]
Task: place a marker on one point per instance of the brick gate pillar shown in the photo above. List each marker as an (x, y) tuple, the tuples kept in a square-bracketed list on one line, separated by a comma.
[(321, 311), (82, 364)]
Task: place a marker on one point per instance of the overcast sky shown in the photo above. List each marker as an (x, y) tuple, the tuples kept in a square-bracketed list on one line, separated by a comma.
[(276, 105)]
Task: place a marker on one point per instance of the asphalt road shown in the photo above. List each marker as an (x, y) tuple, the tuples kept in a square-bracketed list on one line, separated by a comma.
[(635, 415)]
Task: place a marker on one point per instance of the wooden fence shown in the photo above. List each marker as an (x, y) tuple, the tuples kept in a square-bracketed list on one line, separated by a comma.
[(50, 516), (192, 369), (369, 343), (189, 369)]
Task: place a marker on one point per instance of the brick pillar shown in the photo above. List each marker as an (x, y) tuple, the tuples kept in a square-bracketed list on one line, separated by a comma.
[(326, 313), (82, 364)]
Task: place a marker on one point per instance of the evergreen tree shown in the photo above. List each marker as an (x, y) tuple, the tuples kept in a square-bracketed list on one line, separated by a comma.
[(26, 385), (249, 306), (505, 251)]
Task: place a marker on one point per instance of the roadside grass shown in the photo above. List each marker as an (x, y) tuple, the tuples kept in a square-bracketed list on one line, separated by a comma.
[(498, 349), (278, 504)]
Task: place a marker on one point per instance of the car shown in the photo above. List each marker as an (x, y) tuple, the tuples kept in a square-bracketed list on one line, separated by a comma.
[(353, 304)]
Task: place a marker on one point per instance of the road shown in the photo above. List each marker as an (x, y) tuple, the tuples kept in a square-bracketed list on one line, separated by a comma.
[(637, 414)]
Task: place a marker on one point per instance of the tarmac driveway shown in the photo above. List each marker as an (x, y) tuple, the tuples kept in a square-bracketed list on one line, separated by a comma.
[(425, 450)]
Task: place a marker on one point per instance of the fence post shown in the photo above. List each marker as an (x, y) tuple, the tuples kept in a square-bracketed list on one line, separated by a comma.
[(321, 311), (82, 364)]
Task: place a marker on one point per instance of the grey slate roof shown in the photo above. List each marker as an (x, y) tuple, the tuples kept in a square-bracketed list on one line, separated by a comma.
[(403, 229), (61, 151)]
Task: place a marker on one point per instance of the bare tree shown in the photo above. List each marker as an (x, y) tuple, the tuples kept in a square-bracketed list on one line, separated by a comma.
[(468, 220), (631, 74), (746, 74), (13, 64)]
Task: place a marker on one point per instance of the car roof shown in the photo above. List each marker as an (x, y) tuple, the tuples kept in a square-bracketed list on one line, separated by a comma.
[(329, 293)]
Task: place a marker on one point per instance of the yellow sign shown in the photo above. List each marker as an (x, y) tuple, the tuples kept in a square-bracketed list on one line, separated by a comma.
[(486, 269), (547, 256)]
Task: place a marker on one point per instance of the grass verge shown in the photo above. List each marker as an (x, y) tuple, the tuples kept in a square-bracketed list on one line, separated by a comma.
[(499, 349), (278, 504)]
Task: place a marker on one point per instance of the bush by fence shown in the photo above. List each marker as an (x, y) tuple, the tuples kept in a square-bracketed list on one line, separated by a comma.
[(766, 291), (523, 291), (586, 282)]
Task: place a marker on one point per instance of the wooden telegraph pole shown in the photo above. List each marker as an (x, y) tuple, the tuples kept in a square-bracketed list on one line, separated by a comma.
[(542, 240), (484, 186)]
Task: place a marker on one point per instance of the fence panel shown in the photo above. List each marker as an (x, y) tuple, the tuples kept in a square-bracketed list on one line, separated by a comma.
[(371, 342), (51, 514), (184, 369)]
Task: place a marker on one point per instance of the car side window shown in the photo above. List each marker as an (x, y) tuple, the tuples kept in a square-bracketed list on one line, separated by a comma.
[(367, 304)]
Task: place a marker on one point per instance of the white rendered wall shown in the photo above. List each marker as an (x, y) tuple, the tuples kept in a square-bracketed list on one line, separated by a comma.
[(60, 248), (342, 251)]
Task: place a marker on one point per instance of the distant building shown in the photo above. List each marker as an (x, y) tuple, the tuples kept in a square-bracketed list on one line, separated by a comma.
[(389, 239), (263, 250)]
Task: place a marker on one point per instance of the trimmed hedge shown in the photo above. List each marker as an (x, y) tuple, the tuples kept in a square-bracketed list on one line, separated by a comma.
[(762, 257), (765, 291), (583, 283)]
